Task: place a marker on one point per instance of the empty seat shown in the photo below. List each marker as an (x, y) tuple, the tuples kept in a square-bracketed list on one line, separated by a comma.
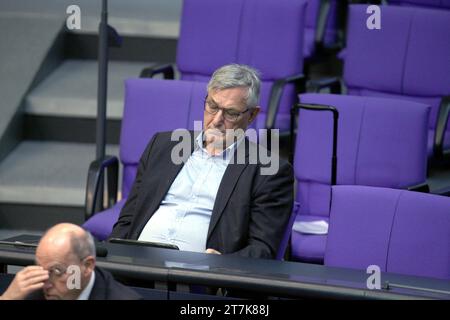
[(400, 231), (380, 142), (264, 34), (408, 58)]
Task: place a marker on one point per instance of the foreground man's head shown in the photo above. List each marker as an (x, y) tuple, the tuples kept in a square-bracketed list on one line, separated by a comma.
[(67, 252)]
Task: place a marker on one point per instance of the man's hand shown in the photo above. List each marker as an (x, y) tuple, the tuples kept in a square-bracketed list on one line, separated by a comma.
[(27, 280), (209, 250)]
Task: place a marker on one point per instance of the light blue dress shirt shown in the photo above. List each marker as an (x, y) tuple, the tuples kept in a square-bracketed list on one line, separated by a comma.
[(184, 214), (84, 295)]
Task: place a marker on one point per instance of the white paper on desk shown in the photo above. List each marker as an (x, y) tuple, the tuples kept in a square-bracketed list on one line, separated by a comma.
[(311, 227)]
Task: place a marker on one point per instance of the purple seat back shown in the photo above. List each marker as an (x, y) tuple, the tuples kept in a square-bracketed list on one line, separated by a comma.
[(399, 231), (264, 34), (444, 4), (152, 106), (381, 142), (407, 57), (420, 241)]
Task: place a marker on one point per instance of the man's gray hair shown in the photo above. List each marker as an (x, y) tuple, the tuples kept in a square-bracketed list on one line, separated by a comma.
[(83, 246), (237, 75)]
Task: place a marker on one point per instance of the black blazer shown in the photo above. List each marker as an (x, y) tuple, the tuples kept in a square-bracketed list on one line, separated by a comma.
[(250, 212), (105, 288)]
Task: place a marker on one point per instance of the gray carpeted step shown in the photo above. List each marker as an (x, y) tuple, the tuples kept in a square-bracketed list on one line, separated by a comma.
[(71, 90), (47, 173), (25, 45), (155, 18)]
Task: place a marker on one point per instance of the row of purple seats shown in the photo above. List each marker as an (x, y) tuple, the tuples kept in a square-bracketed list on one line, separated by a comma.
[(407, 59), (247, 45), (400, 231), (154, 105)]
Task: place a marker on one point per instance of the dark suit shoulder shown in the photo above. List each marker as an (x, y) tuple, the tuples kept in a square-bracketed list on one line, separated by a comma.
[(167, 135), (260, 156), (107, 288)]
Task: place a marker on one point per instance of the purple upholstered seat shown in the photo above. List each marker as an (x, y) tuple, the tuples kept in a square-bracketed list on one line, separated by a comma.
[(287, 234), (150, 106), (400, 231), (264, 34), (438, 4), (407, 58), (381, 142)]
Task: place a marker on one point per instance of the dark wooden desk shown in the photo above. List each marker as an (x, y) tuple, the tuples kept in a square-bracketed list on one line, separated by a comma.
[(274, 278)]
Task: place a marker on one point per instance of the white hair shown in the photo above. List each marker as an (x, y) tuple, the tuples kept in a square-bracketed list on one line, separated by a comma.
[(237, 75)]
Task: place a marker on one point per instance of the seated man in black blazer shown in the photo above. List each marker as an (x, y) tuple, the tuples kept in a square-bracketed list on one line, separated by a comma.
[(213, 200), (65, 270)]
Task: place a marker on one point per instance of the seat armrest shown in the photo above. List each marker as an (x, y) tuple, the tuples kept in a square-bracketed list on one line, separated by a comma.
[(317, 107), (322, 19), (275, 95), (421, 187), (166, 69), (94, 181), (441, 127)]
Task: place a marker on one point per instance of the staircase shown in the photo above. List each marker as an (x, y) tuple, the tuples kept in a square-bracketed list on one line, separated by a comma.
[(44, 163)]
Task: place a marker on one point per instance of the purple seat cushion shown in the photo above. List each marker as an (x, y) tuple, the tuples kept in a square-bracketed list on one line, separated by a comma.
[(309, 248), (102, 223)]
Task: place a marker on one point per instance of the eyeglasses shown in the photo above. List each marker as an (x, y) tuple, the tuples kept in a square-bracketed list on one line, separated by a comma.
[(56, 273), (230, 115)]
